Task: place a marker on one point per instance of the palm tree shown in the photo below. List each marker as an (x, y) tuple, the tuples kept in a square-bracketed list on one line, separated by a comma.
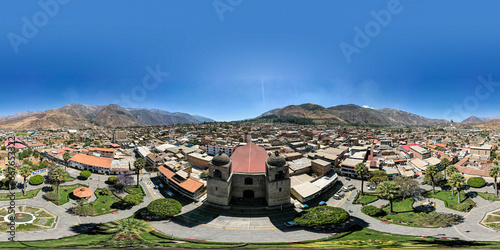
[(388, 190), (66, 157), (11, 175), (362, 171), (58, 175), (139, 165), (126, 226), (495, 173), (459, 182), (445, 163), (450, 170), (432, 172), (25, 171)]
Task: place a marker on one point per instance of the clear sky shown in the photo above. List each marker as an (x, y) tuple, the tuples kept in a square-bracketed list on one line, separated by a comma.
[(235, 59)]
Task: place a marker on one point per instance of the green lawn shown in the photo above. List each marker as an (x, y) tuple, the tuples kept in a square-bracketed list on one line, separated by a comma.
[(489, 196), (451, 201), (19, 195), (64, 192), (365, 199), (103, 203), (399, 206), (136, 190), (359, 238)]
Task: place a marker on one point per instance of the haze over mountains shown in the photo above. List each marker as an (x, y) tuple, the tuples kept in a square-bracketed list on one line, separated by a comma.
[(353, 114), (88, 116)]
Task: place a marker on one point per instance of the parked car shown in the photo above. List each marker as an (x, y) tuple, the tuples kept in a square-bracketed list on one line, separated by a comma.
[(338, 196), (371, 188), (290, 223), (170, 194)]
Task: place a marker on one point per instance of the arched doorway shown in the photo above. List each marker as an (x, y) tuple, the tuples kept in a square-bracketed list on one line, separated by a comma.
[(217, 174), (248, 194)]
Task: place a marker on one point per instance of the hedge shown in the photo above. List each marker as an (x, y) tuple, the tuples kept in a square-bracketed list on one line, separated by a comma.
[(476, 182), (164, 207), (36, 180), (322, 216), (372, 211), (85, 174)]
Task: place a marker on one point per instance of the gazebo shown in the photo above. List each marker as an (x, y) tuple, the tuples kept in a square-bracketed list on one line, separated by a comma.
[(83, 192)]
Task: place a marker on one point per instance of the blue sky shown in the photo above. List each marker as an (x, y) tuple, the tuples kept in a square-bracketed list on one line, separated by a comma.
[(246, 57)]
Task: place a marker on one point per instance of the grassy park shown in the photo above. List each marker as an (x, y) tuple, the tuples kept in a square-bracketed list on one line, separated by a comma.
[(451, 201)]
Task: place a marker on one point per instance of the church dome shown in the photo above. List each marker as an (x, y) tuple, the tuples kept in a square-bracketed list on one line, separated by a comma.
[(220, 159), (276, 160)]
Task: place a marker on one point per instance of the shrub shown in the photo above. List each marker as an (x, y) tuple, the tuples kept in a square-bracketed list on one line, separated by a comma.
[(476, 182), (105, 192), (464, 206), (53, 196), (84, 209), (435, 219), (133, 199), (36, 180), (164, 207), (85, 174), (372, 211), (112, 179), (322, 216)]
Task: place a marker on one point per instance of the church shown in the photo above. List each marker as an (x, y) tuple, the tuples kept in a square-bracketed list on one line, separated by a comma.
[(249, 175)]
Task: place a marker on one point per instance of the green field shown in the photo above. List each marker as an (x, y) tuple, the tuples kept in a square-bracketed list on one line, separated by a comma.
[(365, 199), (19, 195), (64, 192), (136, 190), (358, 238), (451, 201), (489, 196)]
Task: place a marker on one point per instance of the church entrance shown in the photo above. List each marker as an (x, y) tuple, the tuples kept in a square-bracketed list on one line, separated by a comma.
[(248, 194)]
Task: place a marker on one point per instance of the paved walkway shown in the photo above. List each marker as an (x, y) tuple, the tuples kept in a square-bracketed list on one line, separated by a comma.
[(198, 222)]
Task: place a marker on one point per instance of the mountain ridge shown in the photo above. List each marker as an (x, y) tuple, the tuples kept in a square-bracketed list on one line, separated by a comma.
[(76, 115)]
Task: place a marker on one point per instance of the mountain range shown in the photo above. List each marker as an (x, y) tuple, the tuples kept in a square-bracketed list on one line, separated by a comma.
[(89, 116), (475, 119), (352, 114)]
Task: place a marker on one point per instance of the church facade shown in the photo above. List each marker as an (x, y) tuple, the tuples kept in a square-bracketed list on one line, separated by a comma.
[(249, 174)]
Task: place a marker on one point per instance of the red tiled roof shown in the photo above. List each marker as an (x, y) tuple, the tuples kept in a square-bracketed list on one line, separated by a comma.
[(249, 159), (188, 185), (102, 162)]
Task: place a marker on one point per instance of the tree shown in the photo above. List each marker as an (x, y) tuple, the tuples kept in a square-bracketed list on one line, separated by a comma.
[(126, 226), (139, 165), (378, 176), (476, 182), (164, 207), (494, 172), (85, 174), (36, 180), (322, 216), (388, 190), (58, 175), (66, 157), (408, 186), (362, 171), (450, 170), (432, 172), (25, 172), (457, 181), (10, 174), (123, 182), (445, 163)]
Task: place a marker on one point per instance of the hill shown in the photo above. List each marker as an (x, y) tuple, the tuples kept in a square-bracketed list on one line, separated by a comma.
[(87, 116), (352, 114)]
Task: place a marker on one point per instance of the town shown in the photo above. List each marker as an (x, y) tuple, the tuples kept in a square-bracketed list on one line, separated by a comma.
[(436, 182)]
